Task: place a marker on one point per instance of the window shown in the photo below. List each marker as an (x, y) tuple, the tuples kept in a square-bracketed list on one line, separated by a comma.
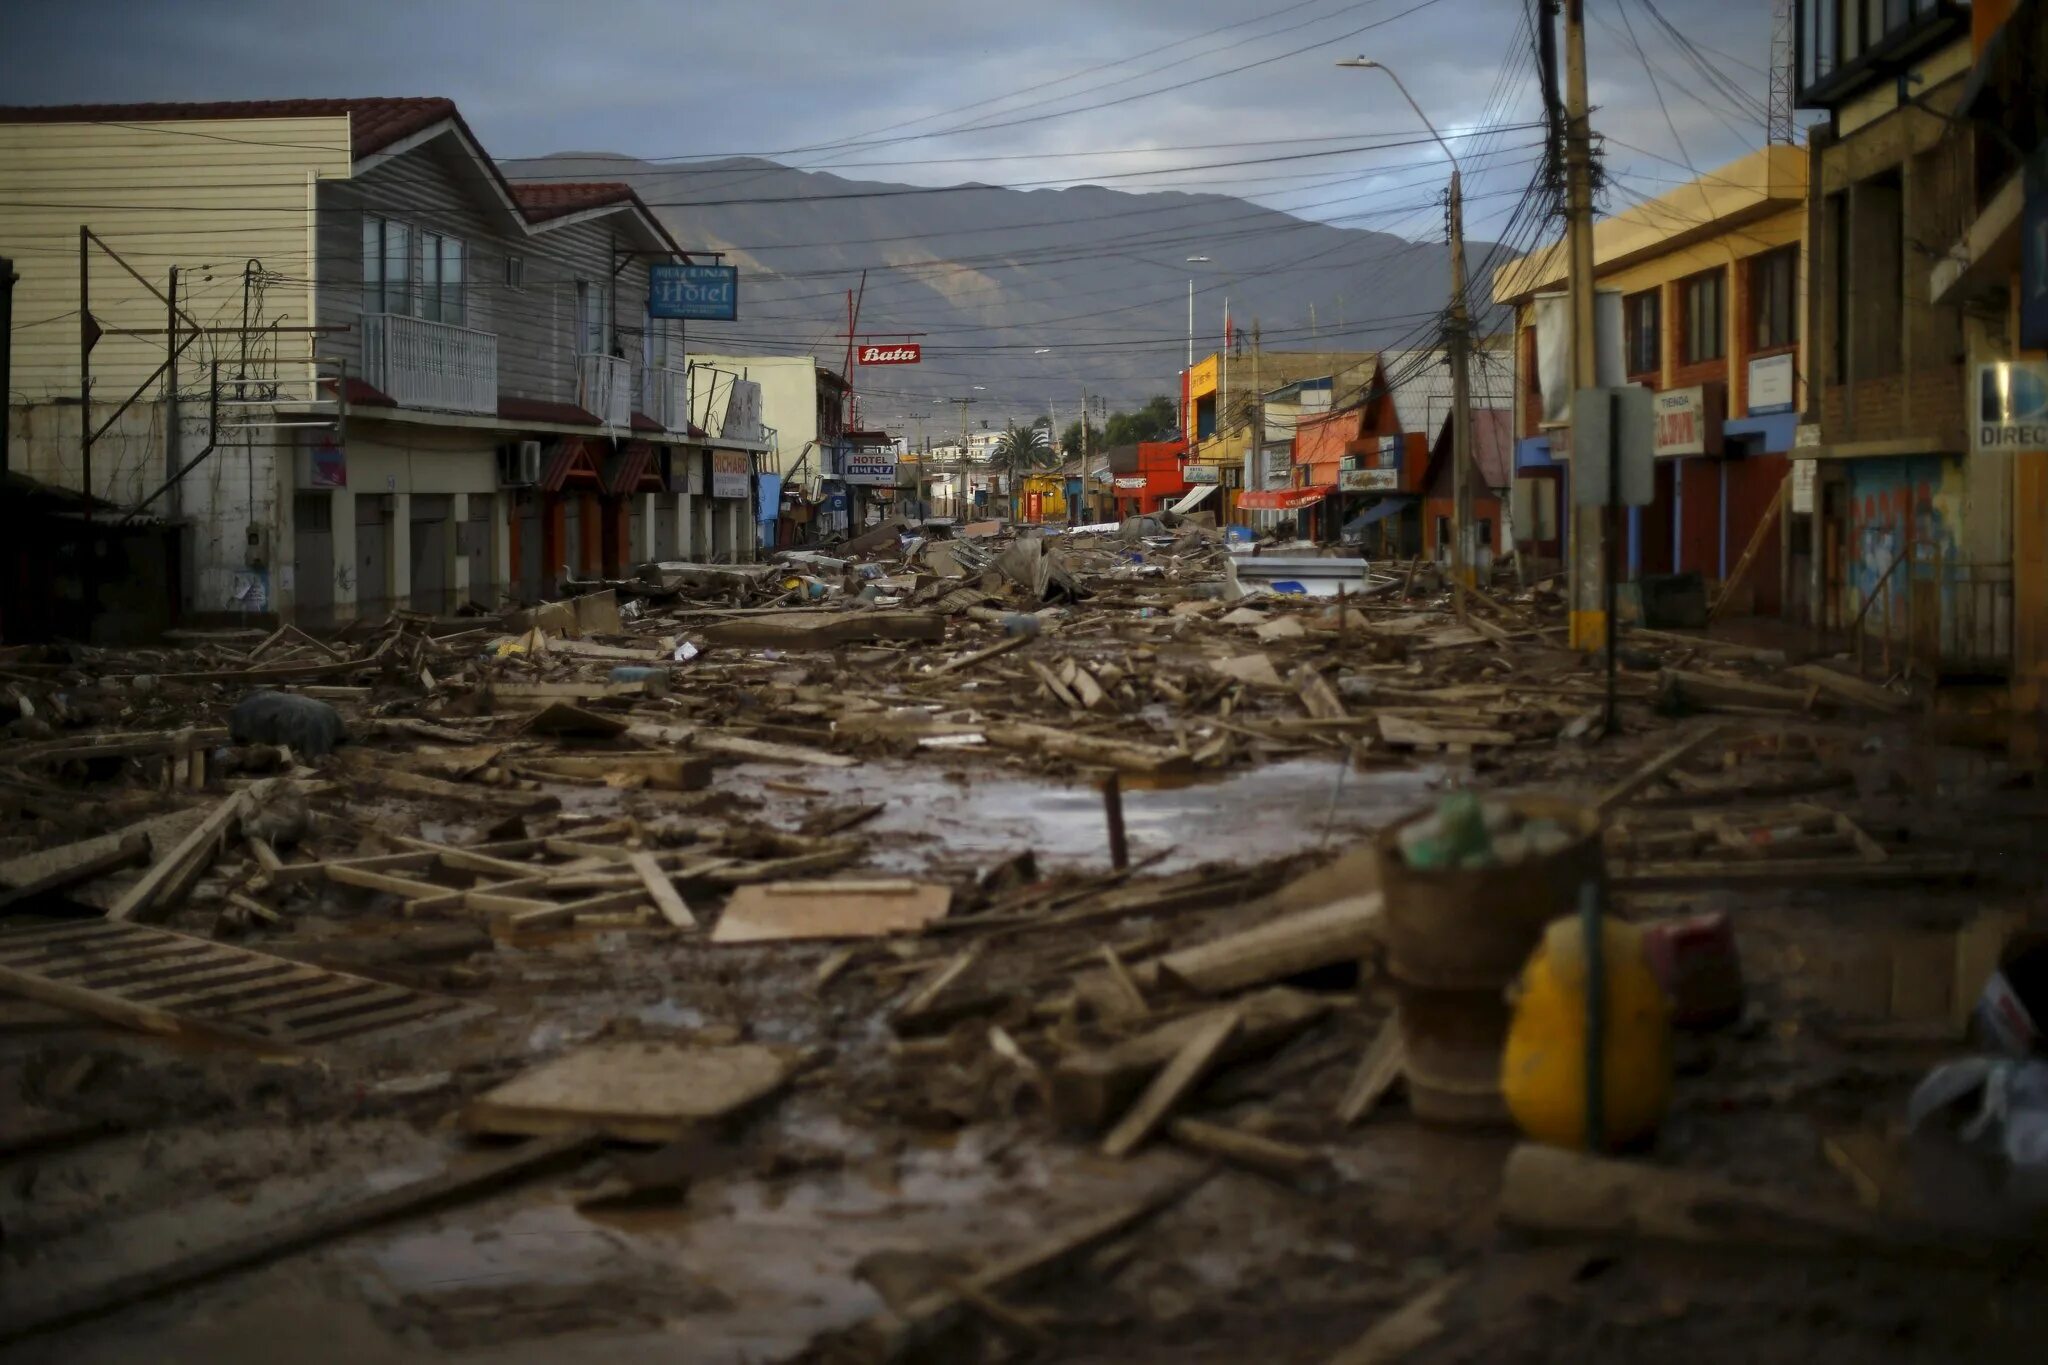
[(655, 341), (1705, 338), (1644, 314), (515, 272), (1773, 299), (387, 266), (593, 319), (441, 278)]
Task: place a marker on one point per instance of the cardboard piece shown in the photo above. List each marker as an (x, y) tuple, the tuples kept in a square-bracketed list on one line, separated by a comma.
[(1255, 669), (780, 911), (638, 1091)]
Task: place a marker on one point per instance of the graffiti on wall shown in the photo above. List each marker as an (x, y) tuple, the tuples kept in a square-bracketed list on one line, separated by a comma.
[(1892, 502)]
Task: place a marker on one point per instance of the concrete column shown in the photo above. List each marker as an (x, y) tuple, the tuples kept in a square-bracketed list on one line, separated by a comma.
[(650, 542), (458, 560), (686, 527), (284, 546), (343, 520), (398, 550)]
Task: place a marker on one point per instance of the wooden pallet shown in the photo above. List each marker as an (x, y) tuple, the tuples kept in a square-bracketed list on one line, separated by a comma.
[(160, 981)]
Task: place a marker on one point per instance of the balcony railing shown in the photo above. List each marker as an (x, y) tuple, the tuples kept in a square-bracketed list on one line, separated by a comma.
[(422, 364), (666, 397), (604, 387)]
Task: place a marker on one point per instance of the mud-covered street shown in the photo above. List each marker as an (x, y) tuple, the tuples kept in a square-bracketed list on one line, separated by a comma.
[(818, 909)]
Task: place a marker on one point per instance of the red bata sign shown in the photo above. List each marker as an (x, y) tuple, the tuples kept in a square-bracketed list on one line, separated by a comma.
[(908, 353)]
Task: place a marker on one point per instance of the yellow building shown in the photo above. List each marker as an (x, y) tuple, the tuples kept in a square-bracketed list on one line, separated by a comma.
[(1703, 294)]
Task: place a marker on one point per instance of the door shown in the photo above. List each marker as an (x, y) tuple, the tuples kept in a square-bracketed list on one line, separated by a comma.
[(373, 554), (432, 555), (526, 564), (313, 566), (666, 545), (482, 591)]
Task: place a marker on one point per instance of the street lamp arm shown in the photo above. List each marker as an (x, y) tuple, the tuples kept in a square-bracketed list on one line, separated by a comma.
[(1449, 155)]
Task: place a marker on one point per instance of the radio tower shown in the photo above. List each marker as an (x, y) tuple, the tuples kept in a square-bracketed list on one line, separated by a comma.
[(1778, 125)]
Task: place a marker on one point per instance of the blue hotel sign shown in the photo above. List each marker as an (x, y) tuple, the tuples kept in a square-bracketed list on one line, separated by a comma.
[(695, 293)]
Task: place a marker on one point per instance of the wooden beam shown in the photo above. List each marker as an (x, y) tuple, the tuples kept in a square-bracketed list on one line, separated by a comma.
[(1189, 1067), (662, 891), (308, 1227), (167, 876)]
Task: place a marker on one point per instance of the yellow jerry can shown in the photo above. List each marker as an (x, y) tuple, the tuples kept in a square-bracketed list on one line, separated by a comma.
[(1543, 1067)]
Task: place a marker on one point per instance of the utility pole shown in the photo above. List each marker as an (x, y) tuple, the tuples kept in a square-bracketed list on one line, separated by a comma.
[(1590, 532), (171, 456), (1074, 516), (1255, 451), (1458, 335)]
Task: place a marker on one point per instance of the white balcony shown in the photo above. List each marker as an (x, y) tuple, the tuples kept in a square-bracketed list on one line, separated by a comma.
[(604, 388), (666, 397), (422, 364)]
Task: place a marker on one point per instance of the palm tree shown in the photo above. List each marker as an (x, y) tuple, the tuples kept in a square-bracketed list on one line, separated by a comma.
[(1021, 449)]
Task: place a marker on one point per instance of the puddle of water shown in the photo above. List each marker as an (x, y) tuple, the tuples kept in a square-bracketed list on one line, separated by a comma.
[(969, 818)]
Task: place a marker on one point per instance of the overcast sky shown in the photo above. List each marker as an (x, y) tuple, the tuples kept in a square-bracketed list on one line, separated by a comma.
[(1134, 94)]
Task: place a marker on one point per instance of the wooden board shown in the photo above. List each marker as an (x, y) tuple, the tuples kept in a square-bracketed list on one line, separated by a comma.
[(1189, 1067), (159, 981), (168, 876), (642, 1090), (662, 891), (824, 630), (1343, 931), (780, 911)]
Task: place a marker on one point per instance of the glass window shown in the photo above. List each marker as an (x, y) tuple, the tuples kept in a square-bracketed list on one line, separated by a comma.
[(453, 273), (592, 320), (373, 264), (398, 297), (655, 343), (1705, 338), (430, 276), (1645, 328), (1773, 296)]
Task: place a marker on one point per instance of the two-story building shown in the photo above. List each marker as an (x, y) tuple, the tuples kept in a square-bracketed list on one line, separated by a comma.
[(1915, 539), (391, 376), (804, 404), (1710, 278)]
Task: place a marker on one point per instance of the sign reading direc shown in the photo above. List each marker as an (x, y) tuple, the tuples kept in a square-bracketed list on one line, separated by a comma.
[(2011, 406), (902, 353), (694, 293)]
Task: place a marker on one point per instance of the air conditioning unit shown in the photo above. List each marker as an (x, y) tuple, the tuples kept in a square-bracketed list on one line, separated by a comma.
[(519, 464)]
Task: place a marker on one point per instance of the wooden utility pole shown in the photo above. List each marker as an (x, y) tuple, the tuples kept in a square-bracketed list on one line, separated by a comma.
[(1464, 547), (1589, 527)]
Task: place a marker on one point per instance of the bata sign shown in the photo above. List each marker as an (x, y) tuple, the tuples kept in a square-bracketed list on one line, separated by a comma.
[(909, 353), (1688, 421)]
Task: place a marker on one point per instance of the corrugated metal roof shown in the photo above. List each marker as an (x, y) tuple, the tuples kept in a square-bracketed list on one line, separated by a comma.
[(1421, 382)]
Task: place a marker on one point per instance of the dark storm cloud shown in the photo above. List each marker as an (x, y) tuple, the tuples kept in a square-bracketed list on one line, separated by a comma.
[(796, 78)]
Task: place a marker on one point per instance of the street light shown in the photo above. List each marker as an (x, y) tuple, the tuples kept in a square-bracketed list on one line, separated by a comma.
[(1464, 545), (1192, 260)]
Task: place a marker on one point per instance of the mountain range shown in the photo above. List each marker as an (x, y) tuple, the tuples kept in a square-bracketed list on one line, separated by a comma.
[(1021, 298)]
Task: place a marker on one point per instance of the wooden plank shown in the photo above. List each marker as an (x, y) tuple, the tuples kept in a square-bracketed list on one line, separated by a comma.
[(1406, 1330), (1757, 540), (1656, 767), (603, 902), (132, 849), (1262, 1154), (468, 859), (1854, 691), (1090, 1088), (824, 630), (1317, 697), (1123, 755), (1343, 931), (1379, 1070), (195, 850), (662, 891), (1720, 690), (286, 873), (388, 882), (966, 661), (316, 1224), (1189, 1067), (1902, 868), (415, 784), (639, 1090), (1551, 1190), (941, 981), (844, 909)]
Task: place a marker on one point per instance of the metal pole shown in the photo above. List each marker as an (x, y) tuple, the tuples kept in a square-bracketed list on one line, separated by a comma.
[(1191, 324), (7, 279), (1113, 811), (171, 391), (1588, 524), (1611, 515)]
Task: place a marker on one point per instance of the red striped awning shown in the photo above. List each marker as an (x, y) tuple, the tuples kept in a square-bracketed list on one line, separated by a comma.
[(634, 470), (575, 460), (1283, 499)]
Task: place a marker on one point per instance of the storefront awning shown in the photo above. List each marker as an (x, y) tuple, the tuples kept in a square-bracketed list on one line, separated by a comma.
[(1283, 499), (1379, 511), (1188, 503)]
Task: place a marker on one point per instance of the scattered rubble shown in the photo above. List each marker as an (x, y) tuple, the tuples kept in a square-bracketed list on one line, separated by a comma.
[(610, 867)]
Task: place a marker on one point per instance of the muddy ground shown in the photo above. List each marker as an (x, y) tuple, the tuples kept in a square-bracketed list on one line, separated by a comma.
[(892, 1163)]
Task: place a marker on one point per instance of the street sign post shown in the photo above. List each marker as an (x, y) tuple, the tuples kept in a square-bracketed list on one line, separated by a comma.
[(1614, 435)]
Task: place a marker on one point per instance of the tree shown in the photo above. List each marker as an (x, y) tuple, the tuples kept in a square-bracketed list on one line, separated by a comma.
[(1023, 448), (1159, 417), (1070, 440)]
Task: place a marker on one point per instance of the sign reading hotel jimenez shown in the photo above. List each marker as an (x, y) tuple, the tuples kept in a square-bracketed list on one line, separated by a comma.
[(903, 353)]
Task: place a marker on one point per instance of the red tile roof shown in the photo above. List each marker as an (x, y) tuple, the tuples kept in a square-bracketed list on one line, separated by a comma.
[(642, 422), (513, 409), (542, 200), (374, 123)]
